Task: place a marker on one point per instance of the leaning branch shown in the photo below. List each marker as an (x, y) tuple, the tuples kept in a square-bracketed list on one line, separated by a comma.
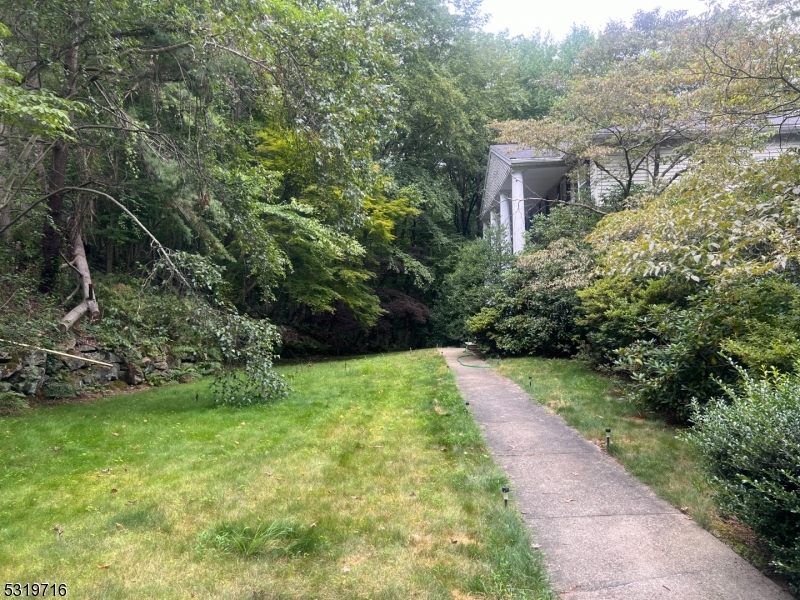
[(586, 206), (567, 202), (57, 353), (119, 205)]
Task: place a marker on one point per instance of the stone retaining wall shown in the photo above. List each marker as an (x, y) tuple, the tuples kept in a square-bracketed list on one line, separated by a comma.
[(36, 373)]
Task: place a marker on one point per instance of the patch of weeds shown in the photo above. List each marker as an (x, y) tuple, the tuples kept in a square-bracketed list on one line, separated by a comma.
[(275, 538), (11, 402), (515, 570), (156, 379)]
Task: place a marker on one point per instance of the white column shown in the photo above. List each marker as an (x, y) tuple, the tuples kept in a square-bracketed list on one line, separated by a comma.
[(517, 210), (505, 216), (495, 215)]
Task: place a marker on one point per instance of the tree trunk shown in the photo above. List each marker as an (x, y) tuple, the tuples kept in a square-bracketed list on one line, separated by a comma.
[(51, 240), (109, 257), (73, 317), (5, 205), (656, 163), (89, 304)]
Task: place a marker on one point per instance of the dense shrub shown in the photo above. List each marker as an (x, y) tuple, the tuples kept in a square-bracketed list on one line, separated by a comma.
[(533, 309), (12, 401), (683, 354), (609, 316), (475, 279), (751, 448), (563, 221)]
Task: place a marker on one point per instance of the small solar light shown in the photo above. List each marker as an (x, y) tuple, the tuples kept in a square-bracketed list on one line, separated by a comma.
[(506, 489), (608, 438), (530, 381), (467, 402)]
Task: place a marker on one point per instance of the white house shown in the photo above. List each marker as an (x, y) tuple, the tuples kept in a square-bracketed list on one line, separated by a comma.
[(520, 181)]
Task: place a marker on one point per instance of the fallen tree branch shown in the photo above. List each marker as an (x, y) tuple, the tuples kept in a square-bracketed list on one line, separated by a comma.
[(9, 300), (57, 353), (73, 316), (72, 295), (89, 304), (580, 204)]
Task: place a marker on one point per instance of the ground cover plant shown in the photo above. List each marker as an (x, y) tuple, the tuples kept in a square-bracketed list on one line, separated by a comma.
[(647, 446), (370, 480)]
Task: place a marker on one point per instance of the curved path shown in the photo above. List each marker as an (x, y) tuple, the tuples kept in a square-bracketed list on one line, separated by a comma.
[(604, 535)]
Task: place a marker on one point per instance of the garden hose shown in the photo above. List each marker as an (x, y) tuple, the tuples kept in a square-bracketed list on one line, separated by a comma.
[(458, 358)]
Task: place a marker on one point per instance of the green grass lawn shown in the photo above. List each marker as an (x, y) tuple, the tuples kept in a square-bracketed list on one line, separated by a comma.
[(369, 481), (644, 444)]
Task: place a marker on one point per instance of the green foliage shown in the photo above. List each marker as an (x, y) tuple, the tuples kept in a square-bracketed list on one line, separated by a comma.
[(11, 402), (563, 221), (630, 95), (476, 278), (273, 539), (729, 217), (610, 313), (543, 62), (147, 321), (530, 307), (248, 344), (533, 309), (750, 443), (685, 354), (35, 111), (165, 322), (26, 316)]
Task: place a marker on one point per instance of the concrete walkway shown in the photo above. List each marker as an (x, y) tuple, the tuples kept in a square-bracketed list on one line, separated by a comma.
[(604, 535)]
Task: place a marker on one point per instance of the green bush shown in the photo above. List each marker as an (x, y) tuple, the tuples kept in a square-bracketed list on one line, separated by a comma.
[(751, 448), (563, 221), (533, 309), (684, 354), (150, 319), (11, 402), (609, 316), (474, 280)]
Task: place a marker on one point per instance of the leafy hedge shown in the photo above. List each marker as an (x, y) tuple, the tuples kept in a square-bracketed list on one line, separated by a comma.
[(683, 353), (751, 448)]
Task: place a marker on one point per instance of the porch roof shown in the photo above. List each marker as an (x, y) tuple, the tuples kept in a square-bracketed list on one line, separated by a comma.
[(542, 170)]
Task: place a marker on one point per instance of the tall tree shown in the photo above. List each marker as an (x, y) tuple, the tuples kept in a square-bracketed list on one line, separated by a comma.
[(630, 107)]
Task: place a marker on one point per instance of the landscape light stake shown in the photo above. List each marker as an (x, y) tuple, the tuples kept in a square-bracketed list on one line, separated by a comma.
[(505, 495), (608, 439), (530, 381)]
